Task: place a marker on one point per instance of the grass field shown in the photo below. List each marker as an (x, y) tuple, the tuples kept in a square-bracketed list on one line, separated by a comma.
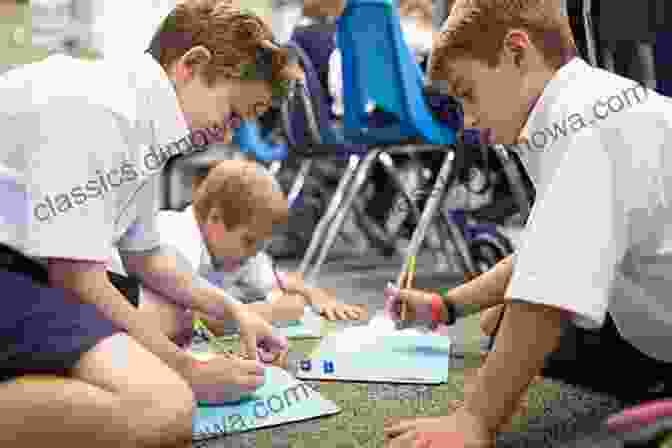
[(555, 411)]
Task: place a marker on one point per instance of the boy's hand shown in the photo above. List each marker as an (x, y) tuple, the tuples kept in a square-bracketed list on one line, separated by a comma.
[(418, 305), (256, 333), (225, 378), (328, 306), (460, 429), (287, 306), (324, 302)]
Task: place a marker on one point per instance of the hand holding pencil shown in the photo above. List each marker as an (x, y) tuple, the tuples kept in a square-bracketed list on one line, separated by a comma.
[(405, 305)]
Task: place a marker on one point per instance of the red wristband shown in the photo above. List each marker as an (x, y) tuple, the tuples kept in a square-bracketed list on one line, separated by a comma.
[(437, 304), (199, 364)]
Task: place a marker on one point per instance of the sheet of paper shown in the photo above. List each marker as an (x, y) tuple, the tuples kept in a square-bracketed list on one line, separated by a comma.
[(282, 400), (379, 353)]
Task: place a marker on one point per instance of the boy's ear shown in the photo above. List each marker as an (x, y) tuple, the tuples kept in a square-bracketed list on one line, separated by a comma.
[(196, 59), (517, 41)]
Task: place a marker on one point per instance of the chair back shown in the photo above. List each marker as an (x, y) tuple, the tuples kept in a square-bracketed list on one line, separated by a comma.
[(379, 68)]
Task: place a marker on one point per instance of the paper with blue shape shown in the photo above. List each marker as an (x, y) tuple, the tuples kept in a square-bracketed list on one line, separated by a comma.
[(282, 399), (379, 353)]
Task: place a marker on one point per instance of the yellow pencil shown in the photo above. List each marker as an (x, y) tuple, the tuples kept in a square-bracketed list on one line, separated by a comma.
[(212, 339), (410, 275)]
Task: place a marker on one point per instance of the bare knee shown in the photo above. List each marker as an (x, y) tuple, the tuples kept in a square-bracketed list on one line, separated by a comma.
[(489, 319), (166, 419), (156, 401)]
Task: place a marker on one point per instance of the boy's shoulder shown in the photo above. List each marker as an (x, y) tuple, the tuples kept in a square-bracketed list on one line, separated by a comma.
[(112, 85)]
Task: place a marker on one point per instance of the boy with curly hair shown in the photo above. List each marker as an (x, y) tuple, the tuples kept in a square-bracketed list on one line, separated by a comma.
[(76, 187)]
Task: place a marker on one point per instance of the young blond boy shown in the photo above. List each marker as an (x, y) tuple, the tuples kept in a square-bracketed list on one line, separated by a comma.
[(587, 291), (237, 205)]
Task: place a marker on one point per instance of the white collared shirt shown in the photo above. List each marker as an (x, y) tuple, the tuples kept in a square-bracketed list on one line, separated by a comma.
[(599, 237), (252, 281), (74, 177)]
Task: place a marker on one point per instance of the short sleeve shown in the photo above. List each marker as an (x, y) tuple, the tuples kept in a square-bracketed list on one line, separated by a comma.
[(66, 212), (575, 237), (144, 233)]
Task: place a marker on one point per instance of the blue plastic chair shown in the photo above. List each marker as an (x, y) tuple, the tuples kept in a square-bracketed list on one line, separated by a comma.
[(379, 68)]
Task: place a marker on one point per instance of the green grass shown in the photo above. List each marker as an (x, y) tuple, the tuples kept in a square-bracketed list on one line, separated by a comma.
[(360, 424)]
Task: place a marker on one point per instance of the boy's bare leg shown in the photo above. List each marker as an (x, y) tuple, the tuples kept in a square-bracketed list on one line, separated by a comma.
[(119, 395), (489, 318)]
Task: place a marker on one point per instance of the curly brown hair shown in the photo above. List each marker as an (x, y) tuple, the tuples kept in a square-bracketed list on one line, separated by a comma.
[(234, 37)]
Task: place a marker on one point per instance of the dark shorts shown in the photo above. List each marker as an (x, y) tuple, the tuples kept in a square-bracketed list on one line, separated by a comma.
[(47, 330), (599, 360)]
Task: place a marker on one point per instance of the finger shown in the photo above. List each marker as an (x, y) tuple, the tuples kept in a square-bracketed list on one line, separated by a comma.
[(249, 343), (328, 313), (352, 313), (401, 280), (406, 440), (342, 313), (399, 428), (363, 312)]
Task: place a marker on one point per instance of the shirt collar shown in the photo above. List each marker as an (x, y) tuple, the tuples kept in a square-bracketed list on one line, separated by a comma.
[(563, 76)]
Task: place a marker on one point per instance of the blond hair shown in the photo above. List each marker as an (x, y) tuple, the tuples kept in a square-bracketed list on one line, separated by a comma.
[(477, 28), (243, 192)]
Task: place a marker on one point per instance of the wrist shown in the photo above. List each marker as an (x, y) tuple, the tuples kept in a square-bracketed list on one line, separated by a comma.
[(447, 309), (186, 363)]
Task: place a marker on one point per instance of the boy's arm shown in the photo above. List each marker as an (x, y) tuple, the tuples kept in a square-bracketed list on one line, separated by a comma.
[(528, 333), (90, 283), (160, 269), (485, 291)]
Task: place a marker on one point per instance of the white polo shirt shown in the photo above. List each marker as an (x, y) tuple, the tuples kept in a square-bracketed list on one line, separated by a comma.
[(599, 237), (75, 181), (252, 281)]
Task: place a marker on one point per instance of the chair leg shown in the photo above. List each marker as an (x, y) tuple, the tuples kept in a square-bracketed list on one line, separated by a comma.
[(332, 209), (644, 64), (337, 223), (433, 237), (299, 181), (591, 44), (515, 180), (275, 167), (446, 175)]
